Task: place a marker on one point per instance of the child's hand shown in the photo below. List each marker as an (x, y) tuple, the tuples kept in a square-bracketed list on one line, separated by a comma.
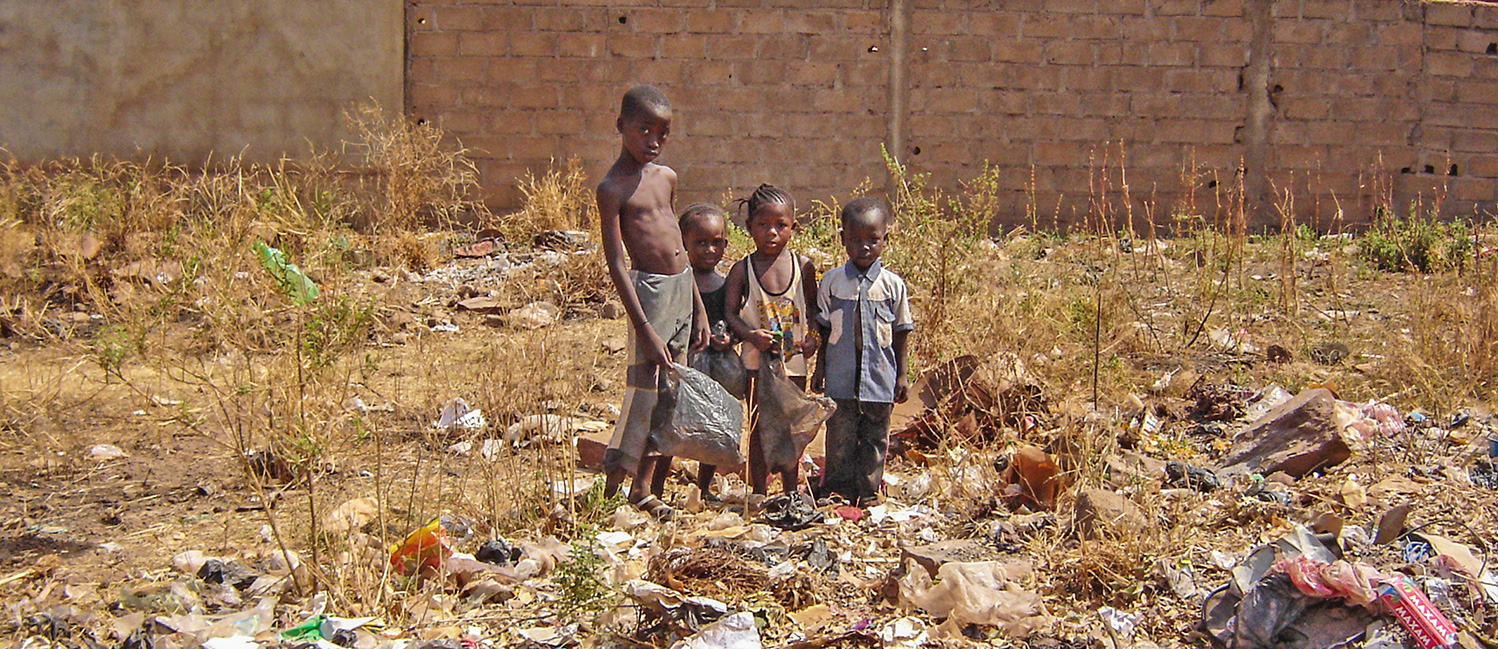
[(817, 382), (655, 348), (720, 342), (809, 344), (902, 389), (762, 339), (701, 335)]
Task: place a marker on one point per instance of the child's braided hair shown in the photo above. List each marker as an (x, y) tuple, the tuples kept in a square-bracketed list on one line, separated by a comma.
[(763, 195)]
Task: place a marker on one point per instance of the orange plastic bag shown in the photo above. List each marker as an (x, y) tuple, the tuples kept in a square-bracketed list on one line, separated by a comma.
[(427, 547)]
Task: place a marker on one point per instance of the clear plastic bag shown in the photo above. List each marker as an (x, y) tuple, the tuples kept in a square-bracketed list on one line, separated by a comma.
[(788, 417), (725, 367), (696, 418)]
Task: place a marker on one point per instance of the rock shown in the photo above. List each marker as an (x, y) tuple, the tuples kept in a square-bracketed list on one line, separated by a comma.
[(481, 304), (350, 516), (150, 271), (1131, 468), (613, 344), (1102, 513), (611, 310), (83, 246), (533, 316), (590, 448), (494, 320), (1296, 437), (931, 557)]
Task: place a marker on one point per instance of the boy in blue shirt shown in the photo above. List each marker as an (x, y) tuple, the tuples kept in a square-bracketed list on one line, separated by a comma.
[(865, 319)]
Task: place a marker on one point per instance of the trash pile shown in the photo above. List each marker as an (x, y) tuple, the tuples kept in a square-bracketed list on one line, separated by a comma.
[(1326, 537)]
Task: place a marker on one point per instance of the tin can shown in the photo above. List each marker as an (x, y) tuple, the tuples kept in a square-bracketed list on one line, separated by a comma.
[(1430, 628)]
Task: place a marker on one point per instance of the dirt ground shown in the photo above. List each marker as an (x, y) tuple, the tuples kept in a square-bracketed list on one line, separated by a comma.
[(82, 529)]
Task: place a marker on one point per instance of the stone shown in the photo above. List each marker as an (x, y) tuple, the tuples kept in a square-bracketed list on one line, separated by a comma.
[(1296, 437), (611, 310), (590, 448), (533, 316), (483, 304), (1101, 513), (931, 557), (1132, 468)]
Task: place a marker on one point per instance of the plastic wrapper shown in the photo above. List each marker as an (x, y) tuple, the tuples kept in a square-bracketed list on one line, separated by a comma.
[(1349, 581), (788, 417), (725, 367), (696, 418)]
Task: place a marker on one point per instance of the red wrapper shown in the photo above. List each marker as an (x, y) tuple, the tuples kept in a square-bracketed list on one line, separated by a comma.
[(1427, 625)]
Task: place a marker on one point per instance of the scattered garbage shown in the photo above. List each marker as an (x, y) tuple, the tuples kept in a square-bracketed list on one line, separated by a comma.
[(792, 510), (1185, 476), (292, 281), (985, 593), (457, 414), (105, 452)]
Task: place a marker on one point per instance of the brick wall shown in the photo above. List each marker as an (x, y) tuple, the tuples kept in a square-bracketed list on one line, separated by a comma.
[(1332, 101)]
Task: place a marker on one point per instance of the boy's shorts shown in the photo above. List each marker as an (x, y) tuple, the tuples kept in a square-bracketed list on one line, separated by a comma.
[(667, 302)]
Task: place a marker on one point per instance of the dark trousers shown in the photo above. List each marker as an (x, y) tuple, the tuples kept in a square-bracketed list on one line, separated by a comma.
[(857, 443)]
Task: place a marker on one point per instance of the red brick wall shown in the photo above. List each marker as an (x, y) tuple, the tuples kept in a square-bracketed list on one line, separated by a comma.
[(1333, 101)]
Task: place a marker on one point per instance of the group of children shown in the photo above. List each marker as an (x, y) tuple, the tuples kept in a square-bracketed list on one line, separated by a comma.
[(844, 335)]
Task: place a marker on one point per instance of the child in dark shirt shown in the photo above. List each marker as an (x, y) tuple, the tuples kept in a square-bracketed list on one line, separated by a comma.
[(704, 231)]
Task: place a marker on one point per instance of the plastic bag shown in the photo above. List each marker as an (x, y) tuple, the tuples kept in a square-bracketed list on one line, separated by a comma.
[(788, 417), (293, 282), (725, 367), (696, 418)]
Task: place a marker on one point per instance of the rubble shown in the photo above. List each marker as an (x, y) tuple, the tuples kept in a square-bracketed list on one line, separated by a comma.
[(1296, 437)]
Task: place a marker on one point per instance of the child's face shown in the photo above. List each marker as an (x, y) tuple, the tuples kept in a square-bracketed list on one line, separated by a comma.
[(644, 133), (864, 241), (772, 228), (705, 239)]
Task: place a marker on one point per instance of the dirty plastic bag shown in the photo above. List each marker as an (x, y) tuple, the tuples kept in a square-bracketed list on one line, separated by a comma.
[(696, 418), (788, 417), (984, 592), (725, 367), (293, 282)]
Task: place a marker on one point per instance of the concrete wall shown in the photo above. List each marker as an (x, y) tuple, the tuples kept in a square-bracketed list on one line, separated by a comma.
[(184, 79), (1338, 101)]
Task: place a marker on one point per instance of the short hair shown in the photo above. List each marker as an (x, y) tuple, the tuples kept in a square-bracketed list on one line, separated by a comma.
[(763, 195), (862, 206), (641, 98), (696, 212)]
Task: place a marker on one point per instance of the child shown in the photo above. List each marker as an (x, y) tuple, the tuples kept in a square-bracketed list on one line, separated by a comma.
[(665, 312), (865, 319), (704, 231), (768, 306)]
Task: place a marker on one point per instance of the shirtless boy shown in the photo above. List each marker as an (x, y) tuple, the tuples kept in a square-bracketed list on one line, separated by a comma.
[(647, 263)]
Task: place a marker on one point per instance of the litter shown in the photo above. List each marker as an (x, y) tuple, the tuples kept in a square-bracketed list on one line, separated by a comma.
[(104, 452), (425, 548), (456, 414), (791, 511), (736, 631), (975, 593), (292, 281)]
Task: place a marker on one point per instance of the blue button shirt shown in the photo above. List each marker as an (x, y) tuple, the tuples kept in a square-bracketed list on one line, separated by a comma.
[(862, 309)]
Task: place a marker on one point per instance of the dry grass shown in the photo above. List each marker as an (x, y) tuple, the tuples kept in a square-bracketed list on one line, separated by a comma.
[(1097, 316)]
